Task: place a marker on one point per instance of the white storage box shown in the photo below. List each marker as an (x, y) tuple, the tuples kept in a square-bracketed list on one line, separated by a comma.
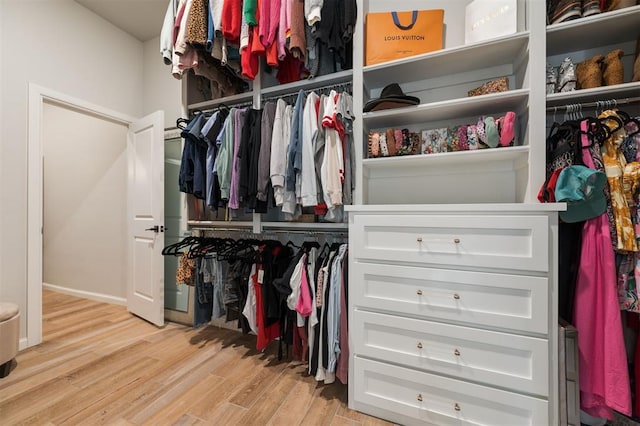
[(486, 19)]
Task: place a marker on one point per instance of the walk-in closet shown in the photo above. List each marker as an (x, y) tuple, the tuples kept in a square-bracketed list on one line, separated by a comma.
[(363, 212)]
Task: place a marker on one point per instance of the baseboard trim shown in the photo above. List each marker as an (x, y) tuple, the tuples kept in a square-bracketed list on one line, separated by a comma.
[(23, 343), (86, 294)]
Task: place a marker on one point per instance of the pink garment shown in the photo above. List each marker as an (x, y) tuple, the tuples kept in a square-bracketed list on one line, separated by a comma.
[(604, 378), (284, 28), (305, 303), (176, 25), (269, 20)]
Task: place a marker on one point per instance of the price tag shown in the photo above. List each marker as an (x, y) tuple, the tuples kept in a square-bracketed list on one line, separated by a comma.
[(260, 276)]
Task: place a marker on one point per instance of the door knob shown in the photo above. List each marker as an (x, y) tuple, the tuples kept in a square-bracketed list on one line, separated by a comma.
[(156, 228)]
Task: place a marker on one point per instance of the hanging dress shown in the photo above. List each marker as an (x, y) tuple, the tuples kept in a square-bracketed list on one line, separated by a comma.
[(604, 378)]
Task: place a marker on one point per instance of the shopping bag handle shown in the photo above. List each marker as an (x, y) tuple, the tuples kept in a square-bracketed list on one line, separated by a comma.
[(414, 18)]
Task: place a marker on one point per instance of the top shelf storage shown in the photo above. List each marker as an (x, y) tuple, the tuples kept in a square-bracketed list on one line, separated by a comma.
[(594, 31), (445, 62)]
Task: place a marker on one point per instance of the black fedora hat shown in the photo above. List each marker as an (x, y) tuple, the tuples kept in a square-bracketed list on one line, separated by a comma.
[(392, 96)]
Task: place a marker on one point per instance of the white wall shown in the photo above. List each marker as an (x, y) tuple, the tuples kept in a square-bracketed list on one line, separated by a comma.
[(2, 204), (161, 90), (62, 46), (85, 222)]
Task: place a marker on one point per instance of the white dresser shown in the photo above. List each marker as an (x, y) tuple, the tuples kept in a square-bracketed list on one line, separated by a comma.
[(450, 314)]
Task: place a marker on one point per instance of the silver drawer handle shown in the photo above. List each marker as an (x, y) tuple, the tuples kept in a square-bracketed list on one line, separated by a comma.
[(456, 406), (456, 296), (419, 345), (419, 239), (420, 397), (456, 352), (456, 240), (419, 292)]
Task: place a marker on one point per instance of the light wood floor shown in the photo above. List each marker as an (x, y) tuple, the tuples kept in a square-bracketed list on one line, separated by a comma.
[(100, 365)]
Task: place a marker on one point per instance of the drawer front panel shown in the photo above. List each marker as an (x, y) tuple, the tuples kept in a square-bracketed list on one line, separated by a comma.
[(498, 359), (507, 242), (511, 302), (433, 399)]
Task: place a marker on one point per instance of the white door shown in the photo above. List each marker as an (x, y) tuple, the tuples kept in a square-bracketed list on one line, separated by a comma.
[(145, 283)]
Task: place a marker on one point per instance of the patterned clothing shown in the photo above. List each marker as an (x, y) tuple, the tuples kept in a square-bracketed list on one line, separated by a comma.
[(615, 163), (186, 270), (598, 164)]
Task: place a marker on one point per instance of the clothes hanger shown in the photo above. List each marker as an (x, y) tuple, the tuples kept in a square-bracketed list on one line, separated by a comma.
[(174, 249), (614, 118), (308, 245), (181, 123), (291, 244)]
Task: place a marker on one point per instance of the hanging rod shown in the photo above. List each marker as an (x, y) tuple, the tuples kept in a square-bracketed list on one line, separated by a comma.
[(344, 232), (311, 233), (345, 85), (610, 103), (274, 234), (223, 104)]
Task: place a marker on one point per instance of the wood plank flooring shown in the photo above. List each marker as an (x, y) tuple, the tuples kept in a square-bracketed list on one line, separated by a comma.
[(100, 365)]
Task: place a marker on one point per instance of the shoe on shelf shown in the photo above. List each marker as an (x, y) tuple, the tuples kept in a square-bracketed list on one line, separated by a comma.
[(589, 72), (619, 4), (563, 10), (612, 68), (566, 76), (590, 7)]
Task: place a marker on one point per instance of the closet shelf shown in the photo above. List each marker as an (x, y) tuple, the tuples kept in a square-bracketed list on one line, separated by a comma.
[(454, 161), (302, 226), (445, 62), (599, 30), (619, 91), (512, 100), (267, 226), (228, 100), (219, 224), (309, 84)]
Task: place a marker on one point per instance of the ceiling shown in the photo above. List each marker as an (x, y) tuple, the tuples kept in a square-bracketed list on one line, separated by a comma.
[(140, 18)]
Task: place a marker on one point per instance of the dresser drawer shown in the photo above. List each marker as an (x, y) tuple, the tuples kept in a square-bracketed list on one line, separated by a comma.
[(505, 301), (498, 359), (506, 242), (413, 397)]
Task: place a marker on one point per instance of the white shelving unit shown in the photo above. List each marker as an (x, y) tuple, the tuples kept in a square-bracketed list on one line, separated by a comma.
[(441, 80), (439, 242)]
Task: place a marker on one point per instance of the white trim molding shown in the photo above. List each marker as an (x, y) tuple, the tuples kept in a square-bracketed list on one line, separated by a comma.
[(38, 95), (98, 297)]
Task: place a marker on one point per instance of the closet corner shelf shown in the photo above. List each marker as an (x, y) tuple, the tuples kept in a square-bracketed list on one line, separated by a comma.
[(449, 61), (308, 84), (452, 161), (603, 29), (228, 100), (511, 100), (618, 92)]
